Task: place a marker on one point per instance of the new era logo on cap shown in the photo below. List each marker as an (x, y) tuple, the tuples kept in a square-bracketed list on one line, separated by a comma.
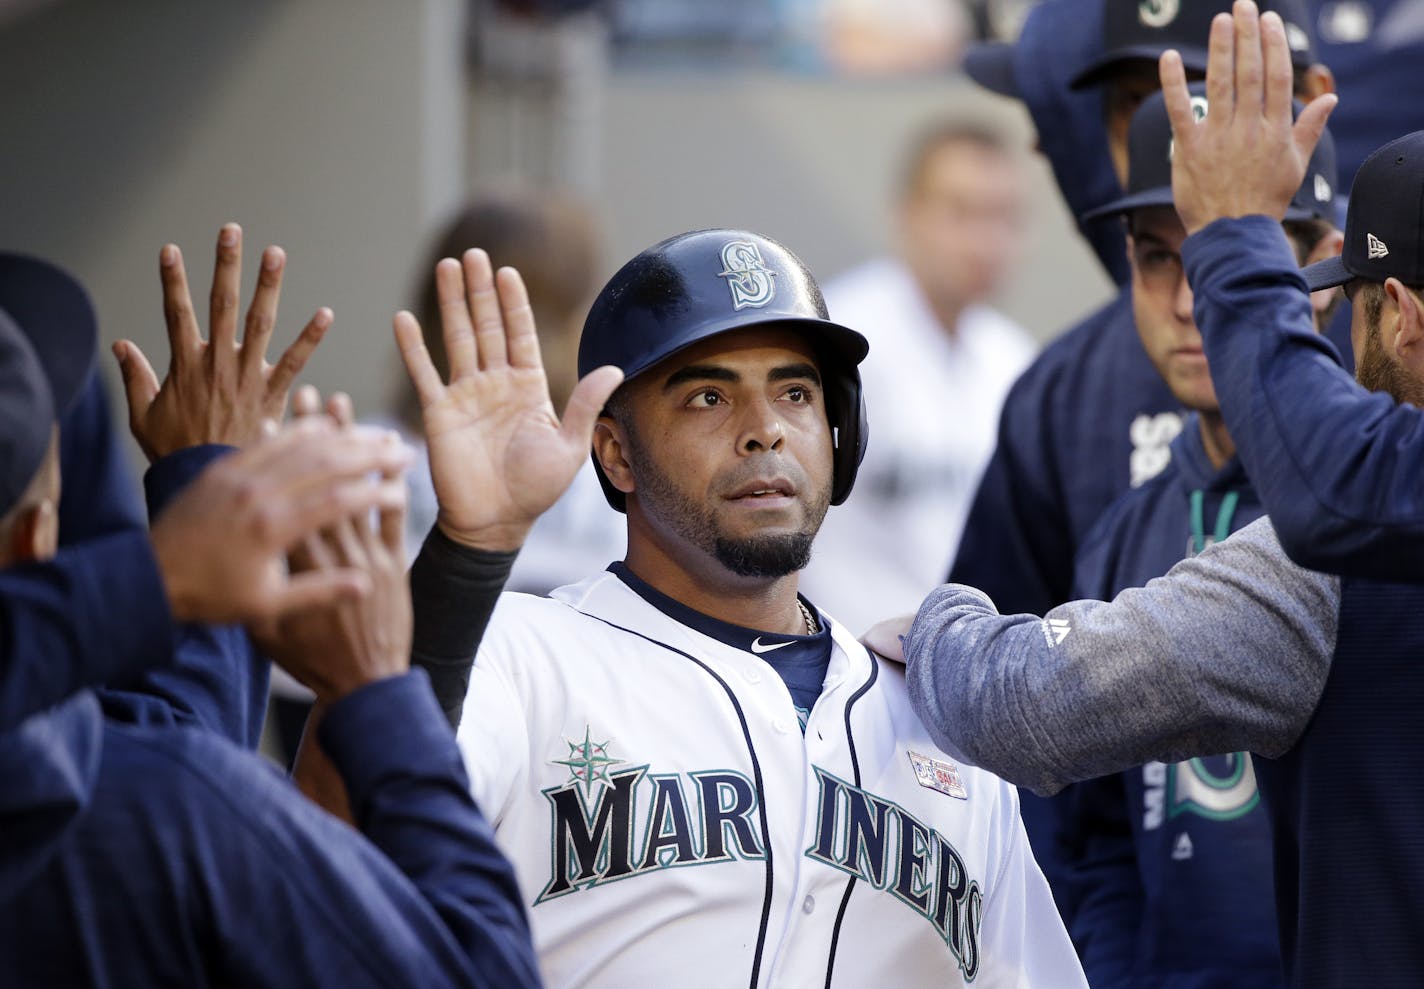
[(1384, 227)]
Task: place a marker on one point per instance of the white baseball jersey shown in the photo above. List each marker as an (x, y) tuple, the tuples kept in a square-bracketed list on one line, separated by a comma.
[(670, 825)]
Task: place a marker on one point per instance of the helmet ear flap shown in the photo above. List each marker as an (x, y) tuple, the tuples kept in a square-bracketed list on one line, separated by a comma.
[(850, 431)]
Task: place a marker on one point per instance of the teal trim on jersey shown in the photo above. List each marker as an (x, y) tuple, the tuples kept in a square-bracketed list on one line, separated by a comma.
[(1224, 515)]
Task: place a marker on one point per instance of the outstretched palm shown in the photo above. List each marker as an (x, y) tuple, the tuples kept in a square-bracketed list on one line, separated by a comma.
[(499, 456)]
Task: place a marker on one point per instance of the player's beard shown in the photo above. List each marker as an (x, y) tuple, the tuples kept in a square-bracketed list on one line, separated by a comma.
[(772, 555), (1376, 372)]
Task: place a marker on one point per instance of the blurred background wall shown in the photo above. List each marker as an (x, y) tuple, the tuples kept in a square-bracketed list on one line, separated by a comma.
[(346, 130)]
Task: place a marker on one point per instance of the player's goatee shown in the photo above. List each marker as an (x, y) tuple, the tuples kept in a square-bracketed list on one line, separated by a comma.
[(758, 555), (764, 556)]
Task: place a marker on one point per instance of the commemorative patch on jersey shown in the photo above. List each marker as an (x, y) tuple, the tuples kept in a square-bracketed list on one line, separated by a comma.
[(938, 774)]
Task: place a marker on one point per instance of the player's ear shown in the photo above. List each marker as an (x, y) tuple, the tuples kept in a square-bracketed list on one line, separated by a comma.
[(1408, 342), (1316, 81), (610, 446), (1327, 246), (34, 534)]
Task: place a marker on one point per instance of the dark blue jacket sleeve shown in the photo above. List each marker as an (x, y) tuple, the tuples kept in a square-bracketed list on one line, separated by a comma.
[(411, 798), (99, 496), (196, 863), (95, 614), (1340, 469), (218, 681)]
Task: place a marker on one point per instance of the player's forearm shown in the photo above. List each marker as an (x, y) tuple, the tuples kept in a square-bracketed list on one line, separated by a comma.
[(1228, 652), (454, 590), (410, 796), (1340, 470)]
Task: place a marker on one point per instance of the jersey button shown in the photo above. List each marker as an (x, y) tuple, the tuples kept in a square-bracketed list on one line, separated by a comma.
[(752, 674), (782, 725), (808, 904)]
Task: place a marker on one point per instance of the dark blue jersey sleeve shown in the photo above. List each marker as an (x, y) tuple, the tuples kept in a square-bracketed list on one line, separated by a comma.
[(1340, 469), (99, 496), (97, 613)]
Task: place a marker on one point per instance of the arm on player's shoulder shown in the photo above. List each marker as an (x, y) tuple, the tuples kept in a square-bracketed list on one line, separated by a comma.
[(1227, 652)]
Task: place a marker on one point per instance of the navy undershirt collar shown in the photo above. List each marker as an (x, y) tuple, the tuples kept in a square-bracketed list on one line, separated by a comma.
[(800, 660)]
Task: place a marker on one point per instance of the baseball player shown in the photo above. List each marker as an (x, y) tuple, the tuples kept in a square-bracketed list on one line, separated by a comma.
[(700, 777)]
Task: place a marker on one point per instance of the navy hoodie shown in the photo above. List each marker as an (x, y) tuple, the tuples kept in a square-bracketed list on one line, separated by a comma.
[(146, 844), (1165, 858)]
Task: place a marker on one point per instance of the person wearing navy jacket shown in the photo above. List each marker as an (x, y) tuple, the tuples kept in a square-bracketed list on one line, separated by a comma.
[(1091, 417), (145, 842), (1157, 855)]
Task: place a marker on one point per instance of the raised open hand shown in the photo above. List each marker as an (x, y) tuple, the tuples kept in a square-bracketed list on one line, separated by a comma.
[(499, 456), (218, 390), (1246, 156)]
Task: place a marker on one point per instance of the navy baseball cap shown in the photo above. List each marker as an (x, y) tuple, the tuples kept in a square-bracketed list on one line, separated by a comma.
[(1149, 164), (1141, 30), (1384, 223), (48, 342), (991, 65)]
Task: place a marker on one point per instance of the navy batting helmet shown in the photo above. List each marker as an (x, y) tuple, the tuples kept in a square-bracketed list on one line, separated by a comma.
[(699, 284)]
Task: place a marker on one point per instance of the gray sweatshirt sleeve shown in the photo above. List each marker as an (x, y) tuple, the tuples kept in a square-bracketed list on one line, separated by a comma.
[(1228, 652)]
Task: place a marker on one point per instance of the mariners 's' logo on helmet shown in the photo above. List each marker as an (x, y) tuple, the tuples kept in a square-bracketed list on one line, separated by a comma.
[(1158, 13), (752, 282)]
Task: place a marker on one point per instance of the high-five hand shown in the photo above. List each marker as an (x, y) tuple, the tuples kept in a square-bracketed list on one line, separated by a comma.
[(1245, 156), (499, 456), (218, 390)]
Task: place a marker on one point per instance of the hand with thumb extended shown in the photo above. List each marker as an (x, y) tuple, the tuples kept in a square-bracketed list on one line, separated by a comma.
[(499, 456)]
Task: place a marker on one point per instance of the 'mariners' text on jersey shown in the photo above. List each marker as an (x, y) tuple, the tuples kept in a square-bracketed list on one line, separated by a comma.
[(637, 823)]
